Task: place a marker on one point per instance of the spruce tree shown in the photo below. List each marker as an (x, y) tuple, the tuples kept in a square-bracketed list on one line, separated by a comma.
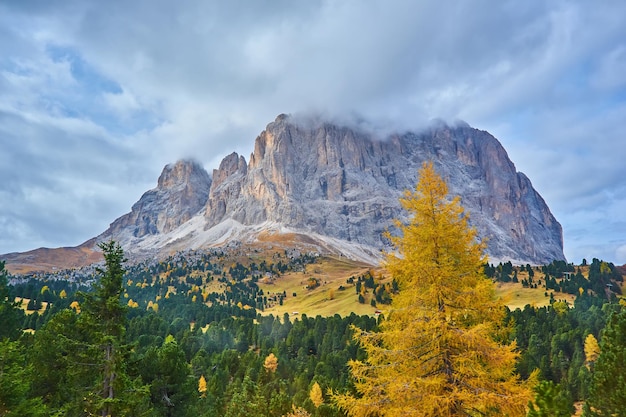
[(81, 354), (105, 314), (442, 351), (607, 394), (11, 316)]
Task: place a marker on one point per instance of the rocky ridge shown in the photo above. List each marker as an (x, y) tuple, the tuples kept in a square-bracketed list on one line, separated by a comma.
[(341, 185)]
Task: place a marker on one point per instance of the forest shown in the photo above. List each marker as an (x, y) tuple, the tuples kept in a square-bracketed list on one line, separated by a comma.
[(185, 336)]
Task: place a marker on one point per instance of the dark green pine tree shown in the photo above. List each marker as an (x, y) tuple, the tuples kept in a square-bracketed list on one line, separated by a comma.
[(105, 315), (15, 383), (15, 372), (11, 316), (550, 402), (173, 390), (607, 394)]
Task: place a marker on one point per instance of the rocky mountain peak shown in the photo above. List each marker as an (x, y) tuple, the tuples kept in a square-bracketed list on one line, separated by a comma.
[(184, 172), (230, 165), (182, 190)]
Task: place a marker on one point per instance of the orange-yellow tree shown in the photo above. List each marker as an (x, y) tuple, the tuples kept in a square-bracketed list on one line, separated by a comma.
[(441, 351)]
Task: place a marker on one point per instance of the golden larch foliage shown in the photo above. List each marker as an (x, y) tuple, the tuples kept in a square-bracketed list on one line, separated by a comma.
[(75, 306), (316, 396), (438, 352), (297, 412), (202, 386), (592, 350), (271, 363)]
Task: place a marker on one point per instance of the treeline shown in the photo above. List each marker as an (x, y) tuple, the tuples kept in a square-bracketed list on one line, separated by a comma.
[(603, 279), (193, 341)]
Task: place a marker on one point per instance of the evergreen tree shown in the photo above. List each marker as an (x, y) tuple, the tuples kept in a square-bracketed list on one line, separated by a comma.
[(15, 380), (103, 309), (81, 354), (607, 394), (550, 402), (172, 388), (63, 355), (11, 316), (440, 352)]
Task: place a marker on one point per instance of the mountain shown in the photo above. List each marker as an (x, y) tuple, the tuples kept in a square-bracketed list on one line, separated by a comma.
[(340, 186), (336, 188)]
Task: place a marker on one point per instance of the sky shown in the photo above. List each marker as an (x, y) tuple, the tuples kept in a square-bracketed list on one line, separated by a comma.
[(97, 96)]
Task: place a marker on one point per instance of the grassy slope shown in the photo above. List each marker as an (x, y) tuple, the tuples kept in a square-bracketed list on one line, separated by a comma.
[(334, 272), (516, 296)]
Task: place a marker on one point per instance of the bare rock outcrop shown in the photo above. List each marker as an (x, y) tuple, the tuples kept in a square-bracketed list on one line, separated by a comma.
[(337, 185), (182, 190)]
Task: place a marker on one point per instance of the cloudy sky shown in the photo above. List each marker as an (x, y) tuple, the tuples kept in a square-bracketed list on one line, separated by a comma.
[(97, 96)]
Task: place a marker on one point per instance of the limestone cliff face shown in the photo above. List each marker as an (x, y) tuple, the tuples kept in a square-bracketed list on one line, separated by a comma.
[(343, 183), (226, 189), (182, 190)]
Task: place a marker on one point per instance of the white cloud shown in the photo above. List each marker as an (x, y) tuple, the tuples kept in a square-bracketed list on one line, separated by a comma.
[(620, 255), (611, 72)]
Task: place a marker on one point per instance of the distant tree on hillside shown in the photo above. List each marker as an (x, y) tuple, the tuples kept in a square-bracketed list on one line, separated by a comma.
[(11, 316)]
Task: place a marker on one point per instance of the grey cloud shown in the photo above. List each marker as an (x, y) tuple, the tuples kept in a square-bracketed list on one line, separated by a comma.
[(203, 78), (60, 184)]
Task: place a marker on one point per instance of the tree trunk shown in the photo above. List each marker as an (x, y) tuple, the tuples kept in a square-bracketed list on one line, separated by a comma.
[(109, 377)]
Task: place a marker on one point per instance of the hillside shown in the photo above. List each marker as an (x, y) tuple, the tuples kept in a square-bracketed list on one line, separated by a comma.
[(283, 277)]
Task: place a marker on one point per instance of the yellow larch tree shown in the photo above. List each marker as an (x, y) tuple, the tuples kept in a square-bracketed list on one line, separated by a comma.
[(75, 306), (298, 412), (442, 350), (592, 350), (202, 386), (316, 396), (271, 363)]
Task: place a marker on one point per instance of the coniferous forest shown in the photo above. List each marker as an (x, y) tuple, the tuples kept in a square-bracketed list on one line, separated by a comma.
[(152, 339)]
